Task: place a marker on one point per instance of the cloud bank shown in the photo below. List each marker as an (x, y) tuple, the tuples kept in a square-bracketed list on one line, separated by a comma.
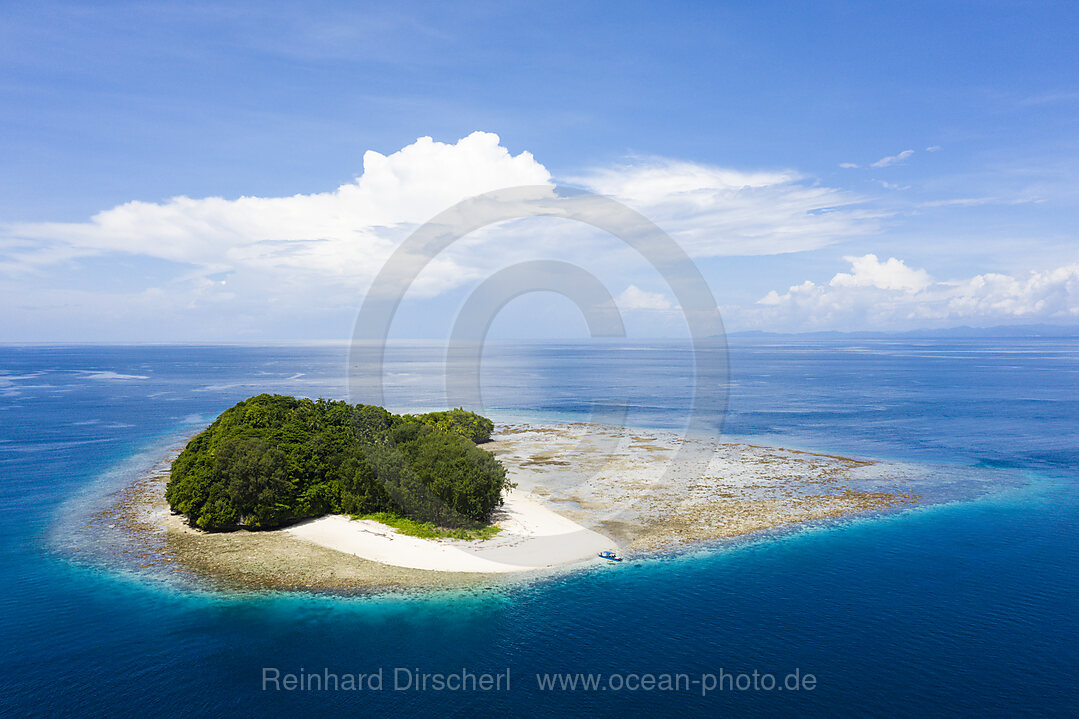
[(277, 266), (712, 211), (303, 254), (883, 295)]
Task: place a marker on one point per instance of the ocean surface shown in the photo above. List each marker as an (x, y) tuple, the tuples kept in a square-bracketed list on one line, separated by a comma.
[(962, 608)]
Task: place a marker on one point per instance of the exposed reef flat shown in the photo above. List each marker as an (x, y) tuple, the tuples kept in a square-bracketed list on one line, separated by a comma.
[(653, 490)]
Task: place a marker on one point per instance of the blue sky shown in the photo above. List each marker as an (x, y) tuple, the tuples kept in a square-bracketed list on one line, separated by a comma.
[(733, 125)]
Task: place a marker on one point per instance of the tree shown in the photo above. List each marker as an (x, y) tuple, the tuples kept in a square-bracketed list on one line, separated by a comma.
[(256, 479), (459, 421)]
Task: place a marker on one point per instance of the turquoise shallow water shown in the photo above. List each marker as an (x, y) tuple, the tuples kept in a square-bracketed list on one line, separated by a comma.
[(966, 607)]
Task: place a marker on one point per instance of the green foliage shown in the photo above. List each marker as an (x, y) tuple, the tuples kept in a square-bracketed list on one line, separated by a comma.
[(468, 479), (459, 421), (371, 422), (271, 460), (256, 480), (426, 530)]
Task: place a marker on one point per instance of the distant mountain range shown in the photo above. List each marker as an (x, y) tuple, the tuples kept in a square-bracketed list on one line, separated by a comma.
[(1054, 331)]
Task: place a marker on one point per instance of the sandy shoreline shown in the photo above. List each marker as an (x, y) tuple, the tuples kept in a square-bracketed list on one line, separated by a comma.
[(582, 489), (533, 537)]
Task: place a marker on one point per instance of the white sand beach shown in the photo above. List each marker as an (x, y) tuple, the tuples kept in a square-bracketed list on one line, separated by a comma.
[(533, 537)]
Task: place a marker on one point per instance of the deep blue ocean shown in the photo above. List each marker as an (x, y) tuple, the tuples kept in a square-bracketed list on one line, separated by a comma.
[(964, 608)]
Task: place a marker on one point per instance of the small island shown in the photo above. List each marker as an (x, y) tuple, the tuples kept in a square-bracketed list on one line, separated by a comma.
[(287, 493), (280, 491)]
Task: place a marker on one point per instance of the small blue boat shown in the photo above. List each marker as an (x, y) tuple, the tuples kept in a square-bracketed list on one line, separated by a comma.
[(611, 556)]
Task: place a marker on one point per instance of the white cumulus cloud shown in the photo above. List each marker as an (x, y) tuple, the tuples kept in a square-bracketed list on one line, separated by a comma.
[(338, 232), (892, 274)]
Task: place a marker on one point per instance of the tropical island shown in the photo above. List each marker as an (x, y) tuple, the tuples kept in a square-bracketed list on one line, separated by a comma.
[(288, 493)]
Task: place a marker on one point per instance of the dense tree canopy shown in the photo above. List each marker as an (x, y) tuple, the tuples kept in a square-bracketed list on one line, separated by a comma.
[(271, 460)]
